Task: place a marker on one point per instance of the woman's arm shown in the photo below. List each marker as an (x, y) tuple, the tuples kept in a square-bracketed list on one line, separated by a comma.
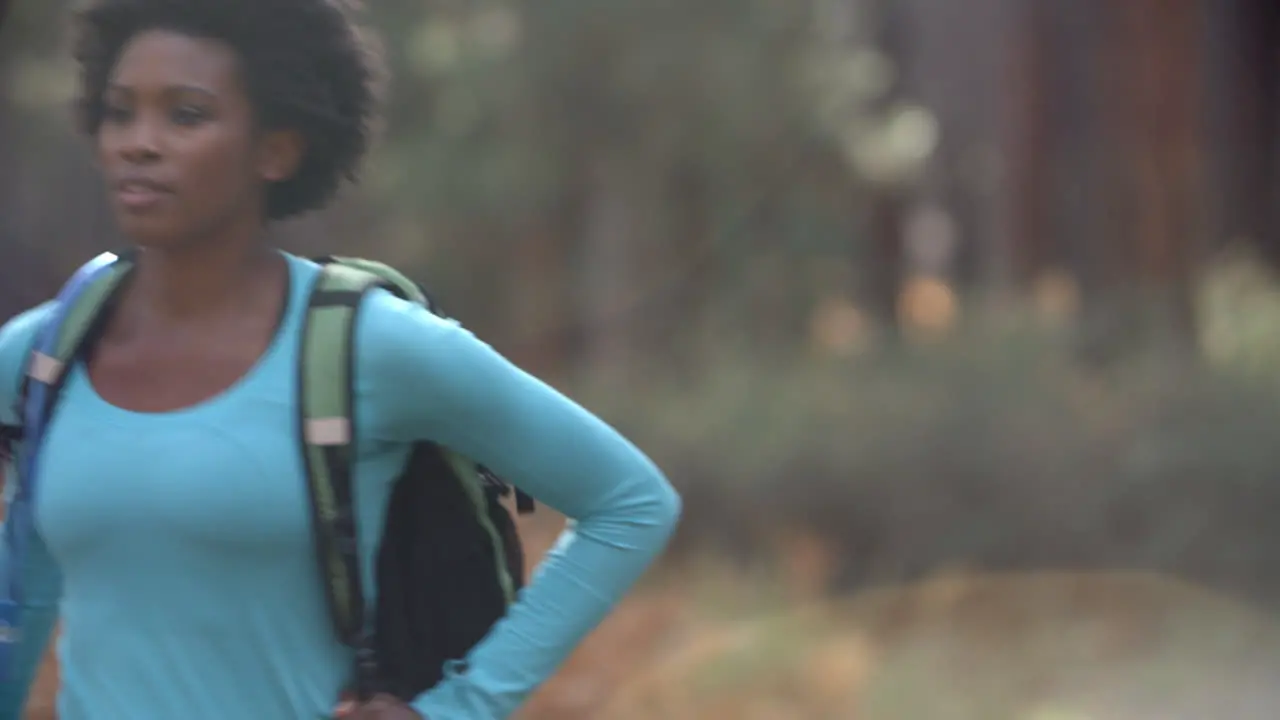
[(42, 582), (431, 379)]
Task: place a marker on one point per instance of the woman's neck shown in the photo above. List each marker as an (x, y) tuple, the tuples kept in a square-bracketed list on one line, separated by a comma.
[(191, 281)]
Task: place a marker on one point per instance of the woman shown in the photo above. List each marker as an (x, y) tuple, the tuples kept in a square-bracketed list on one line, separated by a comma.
[(172, 510)]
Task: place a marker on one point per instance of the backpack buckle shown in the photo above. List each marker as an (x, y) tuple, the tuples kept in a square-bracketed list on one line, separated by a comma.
[(500, 488), (366, 669)]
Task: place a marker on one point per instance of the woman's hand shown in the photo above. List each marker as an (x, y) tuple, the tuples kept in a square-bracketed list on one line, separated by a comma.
[(381, 707)]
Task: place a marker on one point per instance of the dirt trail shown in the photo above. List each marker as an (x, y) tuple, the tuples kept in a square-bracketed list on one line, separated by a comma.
[(1067, 647)]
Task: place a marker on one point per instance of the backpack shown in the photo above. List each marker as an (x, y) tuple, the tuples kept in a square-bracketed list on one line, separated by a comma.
[(450, 560)]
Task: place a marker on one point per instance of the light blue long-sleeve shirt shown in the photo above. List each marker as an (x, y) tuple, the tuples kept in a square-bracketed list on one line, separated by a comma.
[(176, 547)]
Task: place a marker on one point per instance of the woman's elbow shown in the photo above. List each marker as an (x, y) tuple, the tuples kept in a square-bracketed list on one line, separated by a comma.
[(670, 507), (661, 509)]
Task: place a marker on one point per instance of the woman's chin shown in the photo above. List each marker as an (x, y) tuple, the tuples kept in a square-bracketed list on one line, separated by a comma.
[(150, 235)]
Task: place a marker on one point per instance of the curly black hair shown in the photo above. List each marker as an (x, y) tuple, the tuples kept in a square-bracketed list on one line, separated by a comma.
[(306, 66)]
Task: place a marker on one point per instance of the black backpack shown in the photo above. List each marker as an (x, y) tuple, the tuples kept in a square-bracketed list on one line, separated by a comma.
[(450, 560)]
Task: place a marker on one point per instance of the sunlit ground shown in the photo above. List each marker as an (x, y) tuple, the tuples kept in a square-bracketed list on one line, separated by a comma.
[(702, 644), (1049, 647)]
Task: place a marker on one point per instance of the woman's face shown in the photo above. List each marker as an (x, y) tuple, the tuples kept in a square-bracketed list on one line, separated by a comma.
[(178, 143)]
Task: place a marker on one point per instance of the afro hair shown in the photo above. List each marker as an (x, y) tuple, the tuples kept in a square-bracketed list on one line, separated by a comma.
[(306, 66)]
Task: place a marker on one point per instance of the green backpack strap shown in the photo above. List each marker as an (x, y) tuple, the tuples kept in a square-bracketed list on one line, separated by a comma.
[(327, 409), (387, 276), (326, 406)]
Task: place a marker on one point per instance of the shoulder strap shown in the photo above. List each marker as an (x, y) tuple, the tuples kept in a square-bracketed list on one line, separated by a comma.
[(74, 317), (388, 277), (326, 409)]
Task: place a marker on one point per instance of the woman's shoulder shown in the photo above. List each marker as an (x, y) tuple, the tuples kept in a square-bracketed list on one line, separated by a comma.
[(22, 327), (398, 334), (393, 338), (16, 338), (17, 335), (415, 370), (386, 324)]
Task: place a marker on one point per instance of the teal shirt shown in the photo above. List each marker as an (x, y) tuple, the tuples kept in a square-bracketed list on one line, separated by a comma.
[(176, 548)]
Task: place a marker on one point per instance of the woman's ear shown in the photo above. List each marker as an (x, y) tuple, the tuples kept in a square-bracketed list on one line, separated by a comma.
[(281, 153)]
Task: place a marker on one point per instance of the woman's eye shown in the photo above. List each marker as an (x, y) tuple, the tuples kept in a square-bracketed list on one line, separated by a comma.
[(115, 113), (188, 115)]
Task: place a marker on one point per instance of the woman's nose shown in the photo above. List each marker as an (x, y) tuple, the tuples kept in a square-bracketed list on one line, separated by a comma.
[(140, 141)]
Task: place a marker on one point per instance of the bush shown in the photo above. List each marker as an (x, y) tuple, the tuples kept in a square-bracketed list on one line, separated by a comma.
[(990, 452)]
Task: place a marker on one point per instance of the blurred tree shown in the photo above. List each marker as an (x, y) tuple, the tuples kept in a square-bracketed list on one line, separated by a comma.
[(1107, 177), (1244, 111), (1160, 99), (630, 184), (657, 169)]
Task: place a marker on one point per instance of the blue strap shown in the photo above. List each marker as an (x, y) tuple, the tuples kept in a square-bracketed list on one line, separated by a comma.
[(19, 522)]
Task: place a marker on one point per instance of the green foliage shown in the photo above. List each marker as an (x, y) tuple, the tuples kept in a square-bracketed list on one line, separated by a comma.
[(730, 141), (994, 450), (500, 104), (1241, 303)]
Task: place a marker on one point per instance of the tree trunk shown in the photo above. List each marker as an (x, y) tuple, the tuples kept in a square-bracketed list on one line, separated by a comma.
[(1242, 37), (612, 271), (887, 205), (540, 295), (1028, 140), (885, 280), (1080, 158), (1160, 105)]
